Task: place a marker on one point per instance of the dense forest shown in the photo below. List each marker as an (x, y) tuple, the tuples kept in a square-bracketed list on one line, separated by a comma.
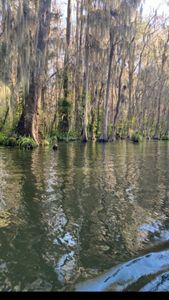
[(100, 72)]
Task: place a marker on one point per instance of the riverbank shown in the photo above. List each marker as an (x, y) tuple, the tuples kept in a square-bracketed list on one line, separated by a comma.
[(11, 140)]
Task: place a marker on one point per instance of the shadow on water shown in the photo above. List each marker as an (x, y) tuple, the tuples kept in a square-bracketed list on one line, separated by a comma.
[(68, 216)]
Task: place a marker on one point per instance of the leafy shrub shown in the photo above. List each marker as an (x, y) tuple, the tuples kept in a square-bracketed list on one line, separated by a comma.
[(6, 140), (2, 138), (136, 137), (10, 141), (165, 137), (69, 136), (26, 142), (45, 143)]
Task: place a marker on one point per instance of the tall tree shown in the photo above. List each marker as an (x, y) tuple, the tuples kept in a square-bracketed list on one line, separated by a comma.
[(64, 122), (29, 122), (161, 85), (85, 94)]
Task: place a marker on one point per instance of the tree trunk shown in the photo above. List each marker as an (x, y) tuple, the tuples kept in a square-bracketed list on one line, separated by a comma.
[(94, 97), (85, 85), (129, 104), (157, 134), (118, 99), (64, 121), (66, 58), (78, 63), (167, 127), (130, 85), (29, 122), (98, 104), (5, 118), (104, 136), (161, 85)]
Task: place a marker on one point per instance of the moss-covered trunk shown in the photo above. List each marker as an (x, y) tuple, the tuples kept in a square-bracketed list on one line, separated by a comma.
[(85, 82), (104, 135), (28, 124), (29, 121)]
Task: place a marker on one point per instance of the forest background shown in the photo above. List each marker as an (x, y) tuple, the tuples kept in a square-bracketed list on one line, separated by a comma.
[(97, 70)]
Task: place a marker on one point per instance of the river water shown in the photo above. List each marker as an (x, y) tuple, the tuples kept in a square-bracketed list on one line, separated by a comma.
[(86, 217)]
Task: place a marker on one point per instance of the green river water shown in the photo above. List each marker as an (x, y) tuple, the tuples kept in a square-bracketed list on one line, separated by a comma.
[(81, 217)]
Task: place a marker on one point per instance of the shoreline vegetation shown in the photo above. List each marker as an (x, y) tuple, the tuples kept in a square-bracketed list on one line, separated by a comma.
[(23, 142)]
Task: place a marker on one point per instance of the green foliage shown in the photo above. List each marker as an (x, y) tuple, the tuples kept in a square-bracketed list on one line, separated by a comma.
[(132, 120), (26, 143), (48, 139), (45, 142), (136, 137), (56, 135), (2, 138), (165, 137), (6, 140), (63, 109), (121, 128), (71, 135), (92, 128), (10, 141), (63, 104)]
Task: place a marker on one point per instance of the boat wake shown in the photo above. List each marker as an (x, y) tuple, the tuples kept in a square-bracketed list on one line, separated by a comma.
[(149, 272)]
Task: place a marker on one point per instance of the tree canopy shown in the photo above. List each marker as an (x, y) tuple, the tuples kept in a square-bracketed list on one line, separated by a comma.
[(101, 74)]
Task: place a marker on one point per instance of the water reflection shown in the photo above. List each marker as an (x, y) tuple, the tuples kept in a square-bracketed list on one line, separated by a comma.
[(10, 190), (133, 274), (70, 215)]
